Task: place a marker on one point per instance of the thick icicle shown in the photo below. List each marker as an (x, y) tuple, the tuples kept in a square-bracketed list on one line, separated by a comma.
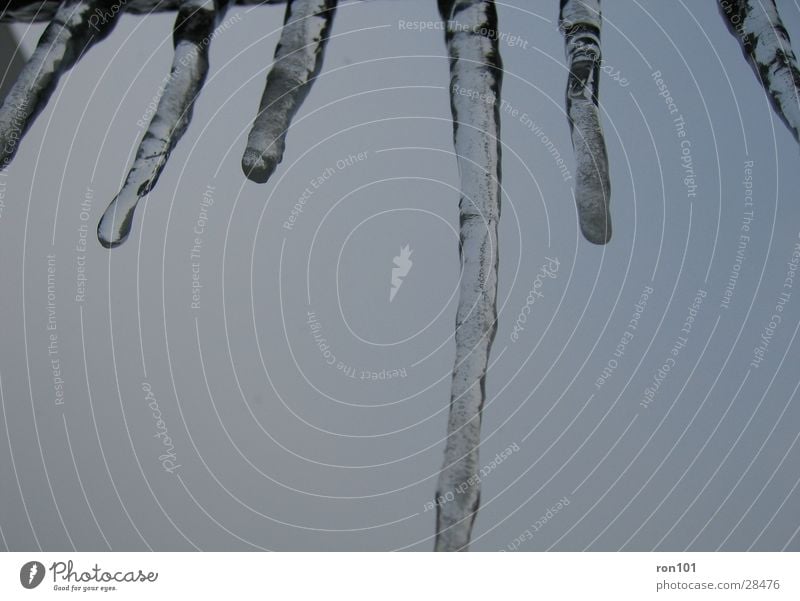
[(767, 47), (580, 22), (193, 30), (69, 35), (298, 59), (475, 81)]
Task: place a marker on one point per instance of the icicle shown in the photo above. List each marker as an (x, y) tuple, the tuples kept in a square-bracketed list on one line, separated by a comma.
[(767, 47), (192, 35), (580, 22), (475, 81), (69, 35), (298, 59)]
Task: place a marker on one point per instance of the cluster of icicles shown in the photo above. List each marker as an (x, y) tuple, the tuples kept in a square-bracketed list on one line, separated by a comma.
[(475, 64)]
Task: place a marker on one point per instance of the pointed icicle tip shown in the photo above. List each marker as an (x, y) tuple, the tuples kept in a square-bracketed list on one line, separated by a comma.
[(110, 235)]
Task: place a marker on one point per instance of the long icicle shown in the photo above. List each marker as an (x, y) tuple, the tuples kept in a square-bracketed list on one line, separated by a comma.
[(767, 47), (475, 82), (298, 59), (70, 34), (580, 22), (193, 30)]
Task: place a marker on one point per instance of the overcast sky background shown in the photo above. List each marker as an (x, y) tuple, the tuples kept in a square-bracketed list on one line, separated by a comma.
[(279, 450)]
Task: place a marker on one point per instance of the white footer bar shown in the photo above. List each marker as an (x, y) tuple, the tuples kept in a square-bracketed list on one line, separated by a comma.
[(400, 576)]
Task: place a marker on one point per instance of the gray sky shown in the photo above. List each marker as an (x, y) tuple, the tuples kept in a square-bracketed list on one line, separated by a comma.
[(276, 448)]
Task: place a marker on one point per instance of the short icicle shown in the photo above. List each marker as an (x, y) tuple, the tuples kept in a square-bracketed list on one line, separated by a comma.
[(192, 33), (298, 60), (68, 36), (766, 45), (580, 22)]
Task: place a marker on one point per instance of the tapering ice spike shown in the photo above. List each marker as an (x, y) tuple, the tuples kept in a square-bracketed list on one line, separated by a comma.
[(766, 45), (475, 66), (298, 59), (192, 35), (580, 22), (69, 35)]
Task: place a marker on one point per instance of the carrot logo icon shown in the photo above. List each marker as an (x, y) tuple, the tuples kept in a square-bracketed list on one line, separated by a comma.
[(31, 574), (403, 266)]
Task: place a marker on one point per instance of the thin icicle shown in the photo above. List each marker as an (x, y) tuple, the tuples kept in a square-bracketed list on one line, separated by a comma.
[(580, 22), (63, 42), (767, 47), (298, 59), (192, 35), (475, 81)]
